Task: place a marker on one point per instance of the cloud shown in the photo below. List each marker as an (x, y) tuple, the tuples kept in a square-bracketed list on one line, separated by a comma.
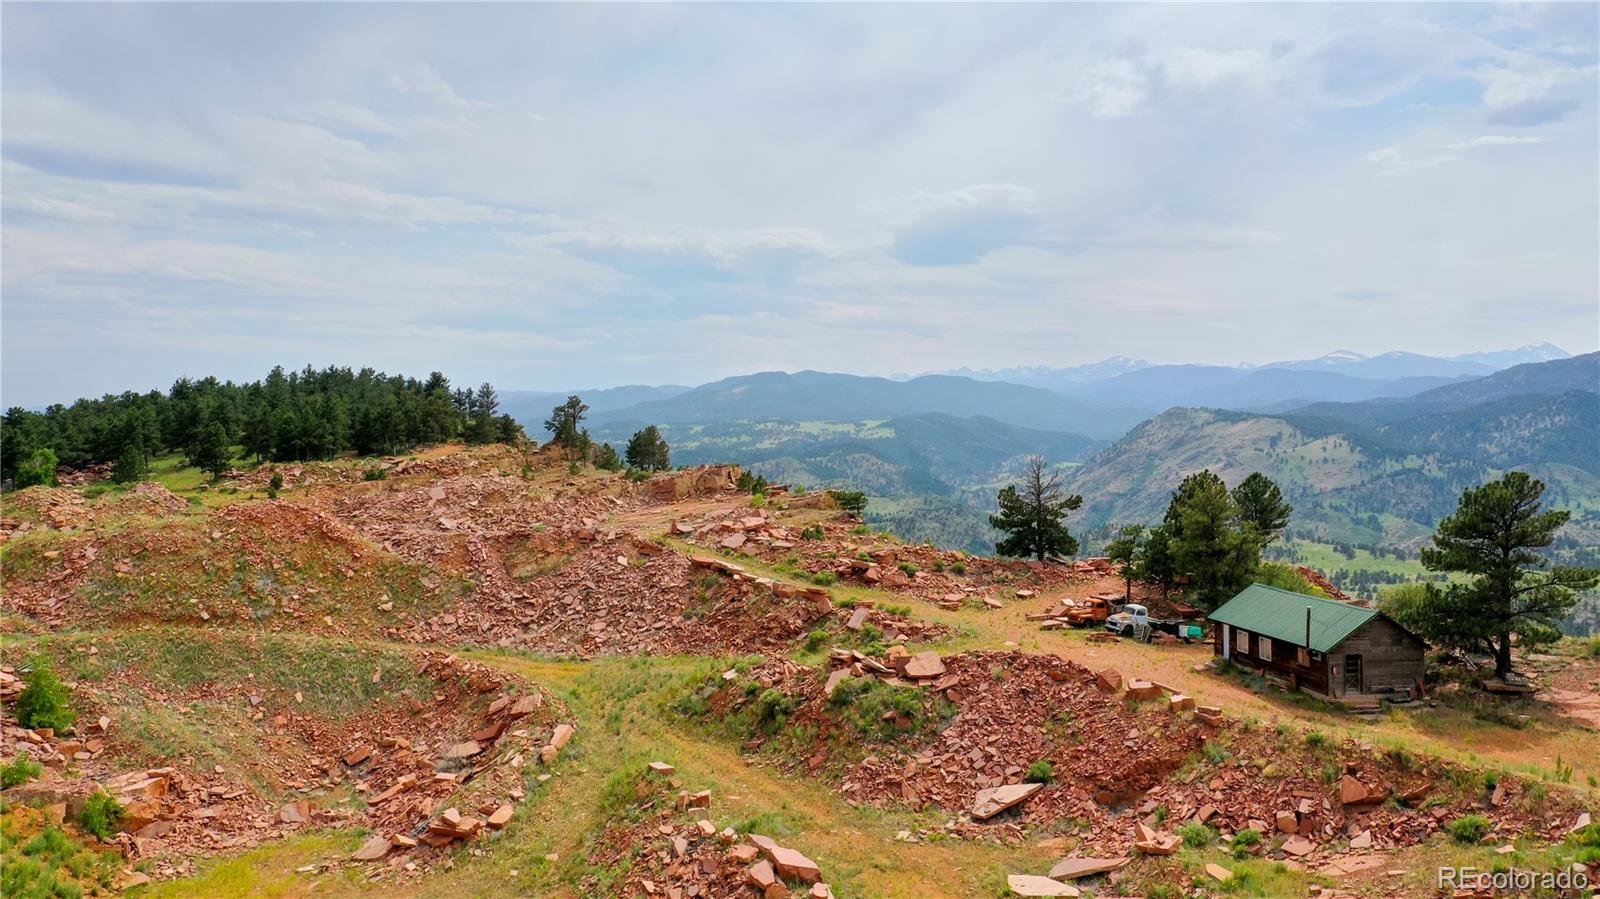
[(544, 195), (963, 226), (1110, 88), (1497, 140), (687, 253)]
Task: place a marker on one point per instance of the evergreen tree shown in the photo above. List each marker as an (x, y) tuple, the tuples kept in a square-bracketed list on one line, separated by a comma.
[(606, 458), (1154, 562), (565, 426), (646, 450), (210, 453), (1261, 506), (132, 466), (1033, 516), (1493, 539), (1210, 541), (1124, 550)]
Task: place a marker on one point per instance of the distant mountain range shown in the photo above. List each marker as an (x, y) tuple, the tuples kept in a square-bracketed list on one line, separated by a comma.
[(1373, 473), (822, 396), (1372, 450)]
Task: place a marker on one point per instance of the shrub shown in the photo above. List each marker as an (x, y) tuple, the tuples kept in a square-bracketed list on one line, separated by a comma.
[(274, 485), (772, 709), (1197, 835), (824, 579), (102, 815), (39, 469), (1470, 828), (908, 568), (1040, 772), (1247, 837), (20, 771), (757, 500), (851, 501), (815, 639), (860, 530), (638, 475), (1316, 739), (812, 533), (1592, 648), (938, 566), (375, 473), (44, 702), (959, 567)]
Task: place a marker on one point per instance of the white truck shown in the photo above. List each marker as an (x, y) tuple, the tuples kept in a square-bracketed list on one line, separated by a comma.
[(1134, 621)]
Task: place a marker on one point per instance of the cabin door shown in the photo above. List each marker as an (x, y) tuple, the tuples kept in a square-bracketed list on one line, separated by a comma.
[(1352, 673)]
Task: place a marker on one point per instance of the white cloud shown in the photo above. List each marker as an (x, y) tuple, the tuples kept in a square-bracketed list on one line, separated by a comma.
[(1497, 140)]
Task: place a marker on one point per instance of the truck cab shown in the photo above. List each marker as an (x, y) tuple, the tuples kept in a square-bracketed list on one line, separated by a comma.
[(1096, 609), (1132, 616)]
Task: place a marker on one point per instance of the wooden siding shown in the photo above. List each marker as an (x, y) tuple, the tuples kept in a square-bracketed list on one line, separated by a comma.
[(1285, 661), (1391, 658)]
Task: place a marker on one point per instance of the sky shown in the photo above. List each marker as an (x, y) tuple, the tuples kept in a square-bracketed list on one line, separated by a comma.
[(554, 196)]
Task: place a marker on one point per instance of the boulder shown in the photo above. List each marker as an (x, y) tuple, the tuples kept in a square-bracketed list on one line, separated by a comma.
[(1352, 791), (375, 848), (1073, 868), (1108, 680), (1034, 885), (994, 800)]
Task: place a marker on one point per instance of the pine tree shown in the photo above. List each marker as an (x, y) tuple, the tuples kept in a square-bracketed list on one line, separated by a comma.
[(133, 465), (565, 426), (1034, 516), (1124, 550), (1492, 539), (1261, 506), (1154, 562), (646, 450), (606, 458), (211, 450), (1210, 541)]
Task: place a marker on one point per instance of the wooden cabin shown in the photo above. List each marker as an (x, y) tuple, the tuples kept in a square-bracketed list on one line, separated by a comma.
[(1334, 649)]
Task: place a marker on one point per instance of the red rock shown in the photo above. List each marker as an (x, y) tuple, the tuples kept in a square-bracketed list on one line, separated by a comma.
[(1073, 868), (1034, 885), (794, 865), (761, 875), (1352, 791), (994, 800), (376, 847)]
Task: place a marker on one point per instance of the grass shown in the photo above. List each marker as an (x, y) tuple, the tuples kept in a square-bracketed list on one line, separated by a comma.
[(269, 871)]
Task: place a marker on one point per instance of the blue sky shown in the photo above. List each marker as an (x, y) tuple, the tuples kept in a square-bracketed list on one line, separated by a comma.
[(556, 196)]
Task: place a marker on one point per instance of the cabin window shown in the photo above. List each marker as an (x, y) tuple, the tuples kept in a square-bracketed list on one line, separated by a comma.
[(1264, 648), (1241, 641), (1303, 656)]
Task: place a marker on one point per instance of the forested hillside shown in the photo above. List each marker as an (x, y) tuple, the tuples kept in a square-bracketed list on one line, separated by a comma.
[(286, 416)]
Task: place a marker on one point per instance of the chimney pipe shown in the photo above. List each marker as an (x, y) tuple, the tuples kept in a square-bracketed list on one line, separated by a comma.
[(1308, 628)]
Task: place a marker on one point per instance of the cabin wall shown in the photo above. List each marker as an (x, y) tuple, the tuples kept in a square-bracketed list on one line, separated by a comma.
[(1390, 657), (1246, 648)]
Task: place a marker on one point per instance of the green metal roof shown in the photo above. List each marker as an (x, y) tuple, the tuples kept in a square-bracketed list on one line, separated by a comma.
[(1281, 615)]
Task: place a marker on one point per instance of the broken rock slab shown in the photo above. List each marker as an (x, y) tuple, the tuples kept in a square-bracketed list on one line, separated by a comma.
[(1034, 885), (994, 800), (1074, 868), (375, 848)]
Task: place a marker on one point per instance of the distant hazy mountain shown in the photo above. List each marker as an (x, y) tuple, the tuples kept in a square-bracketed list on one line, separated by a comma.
[(1388, 365), (1054, 378), (1575, 373), (1533, 352), (820, 396), (532, 407)]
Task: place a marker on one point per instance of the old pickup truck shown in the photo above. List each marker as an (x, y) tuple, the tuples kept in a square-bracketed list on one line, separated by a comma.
[(1092, 610), (1134, 621)]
